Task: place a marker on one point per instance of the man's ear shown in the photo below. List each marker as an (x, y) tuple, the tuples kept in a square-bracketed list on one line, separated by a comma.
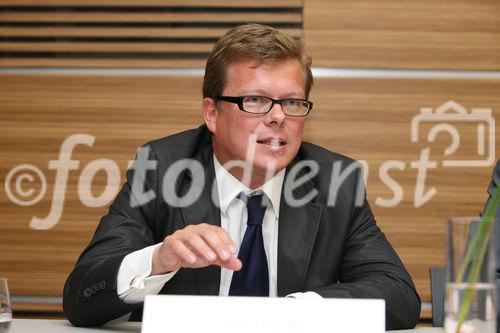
[(209, 109)]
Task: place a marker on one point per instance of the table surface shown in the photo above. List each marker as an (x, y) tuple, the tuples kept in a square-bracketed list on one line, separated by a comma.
[(63, 326)]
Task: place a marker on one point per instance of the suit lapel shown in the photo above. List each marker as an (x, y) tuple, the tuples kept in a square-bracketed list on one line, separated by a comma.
[(203, 210), (297, 232)]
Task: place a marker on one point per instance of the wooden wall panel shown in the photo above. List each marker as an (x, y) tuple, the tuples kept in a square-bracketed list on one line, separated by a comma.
[(152, 17), (207, 3), (368, 119), (37, 113), (128, 34), (427, 34)]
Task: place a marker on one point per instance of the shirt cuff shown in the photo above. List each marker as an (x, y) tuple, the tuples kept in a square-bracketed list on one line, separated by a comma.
[(134, 281), (307, 294)]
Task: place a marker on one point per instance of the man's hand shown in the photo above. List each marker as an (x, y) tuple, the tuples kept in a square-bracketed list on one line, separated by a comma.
[(195, 246)]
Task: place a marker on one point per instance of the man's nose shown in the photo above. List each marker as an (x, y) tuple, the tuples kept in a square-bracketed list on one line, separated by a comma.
[(276, 115)]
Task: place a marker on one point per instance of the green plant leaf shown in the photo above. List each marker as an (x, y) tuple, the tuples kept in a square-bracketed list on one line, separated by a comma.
[(475, 255)]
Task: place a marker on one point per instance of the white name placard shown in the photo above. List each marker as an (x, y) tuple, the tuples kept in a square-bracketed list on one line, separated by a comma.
[(171, 313)]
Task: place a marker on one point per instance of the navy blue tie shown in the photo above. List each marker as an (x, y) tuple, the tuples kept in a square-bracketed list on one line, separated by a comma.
[(253, 278)]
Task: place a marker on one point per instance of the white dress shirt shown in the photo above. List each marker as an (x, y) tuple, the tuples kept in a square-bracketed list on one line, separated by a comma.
[(134, 281), (234, 220)]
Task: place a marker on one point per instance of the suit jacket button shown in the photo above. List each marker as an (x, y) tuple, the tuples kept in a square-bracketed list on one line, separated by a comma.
[(102, 285)]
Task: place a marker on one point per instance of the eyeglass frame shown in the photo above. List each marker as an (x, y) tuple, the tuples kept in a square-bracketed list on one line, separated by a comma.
[(238, 100)]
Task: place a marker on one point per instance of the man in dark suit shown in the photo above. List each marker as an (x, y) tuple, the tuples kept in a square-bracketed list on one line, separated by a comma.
[(179, 222), (492, 187), (495, 180)]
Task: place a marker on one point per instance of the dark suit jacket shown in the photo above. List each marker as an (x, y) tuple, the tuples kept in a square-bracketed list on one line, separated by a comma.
[(335, 251), (495, 180)]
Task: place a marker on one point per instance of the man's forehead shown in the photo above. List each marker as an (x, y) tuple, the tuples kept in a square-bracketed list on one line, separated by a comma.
[(256, 63), (234, 80)]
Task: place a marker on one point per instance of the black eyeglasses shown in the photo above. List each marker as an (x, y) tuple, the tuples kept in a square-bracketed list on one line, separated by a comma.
[(295, 107)]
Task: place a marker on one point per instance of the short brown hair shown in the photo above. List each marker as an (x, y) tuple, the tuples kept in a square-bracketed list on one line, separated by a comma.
[(252, 41)]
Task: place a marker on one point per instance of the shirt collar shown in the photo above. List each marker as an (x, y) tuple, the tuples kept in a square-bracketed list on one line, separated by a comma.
[(229, 187)]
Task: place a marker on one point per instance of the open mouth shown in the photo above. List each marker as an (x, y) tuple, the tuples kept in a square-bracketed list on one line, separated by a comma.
[(272, 142)]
